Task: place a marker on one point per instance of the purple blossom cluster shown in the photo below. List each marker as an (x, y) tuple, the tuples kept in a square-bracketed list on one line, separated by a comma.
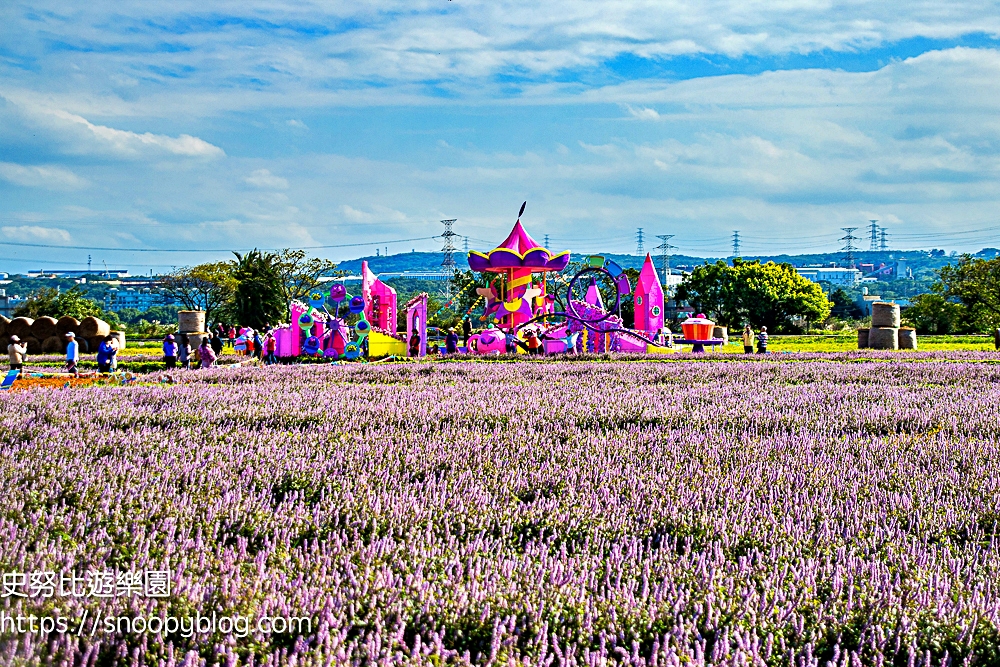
[(841, 512)]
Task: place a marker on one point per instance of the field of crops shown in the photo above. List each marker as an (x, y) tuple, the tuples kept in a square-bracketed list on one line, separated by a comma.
[(750, 512)]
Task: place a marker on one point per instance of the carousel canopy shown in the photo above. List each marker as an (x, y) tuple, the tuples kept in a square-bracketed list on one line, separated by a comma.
[(518, 251)]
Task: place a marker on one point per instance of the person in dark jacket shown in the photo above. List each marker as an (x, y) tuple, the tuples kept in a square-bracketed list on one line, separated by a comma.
[(451, 342), (217, 343), (762, 341)]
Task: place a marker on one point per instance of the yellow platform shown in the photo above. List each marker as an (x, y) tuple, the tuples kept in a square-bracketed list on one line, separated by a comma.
[(381, 345)]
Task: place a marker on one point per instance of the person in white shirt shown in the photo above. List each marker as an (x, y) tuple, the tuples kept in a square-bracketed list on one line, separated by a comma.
[(16, 351), (72, 353)]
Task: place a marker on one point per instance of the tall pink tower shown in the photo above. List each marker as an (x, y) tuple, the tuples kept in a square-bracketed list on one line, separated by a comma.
[(648, 300)]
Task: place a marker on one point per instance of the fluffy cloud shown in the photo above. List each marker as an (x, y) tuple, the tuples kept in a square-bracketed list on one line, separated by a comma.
[(35, 233), (263, 178), (40, 176)]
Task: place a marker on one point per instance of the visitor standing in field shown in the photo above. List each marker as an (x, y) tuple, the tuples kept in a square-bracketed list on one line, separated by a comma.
[(258, 345), (217, 342), (762, 341), (451, 341), (415, 344), (996, 338), (271, 344), (105, 355), (170, 352), (72, 354), (184, 351), (206, 354), (748, 340), (534, 345), (16, 351), (466, 331), (231, 336)]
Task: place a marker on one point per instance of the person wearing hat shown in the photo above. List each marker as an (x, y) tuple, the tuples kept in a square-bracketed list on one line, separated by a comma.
[(72, 353), (451, 341), (170, 352), (16, 351)]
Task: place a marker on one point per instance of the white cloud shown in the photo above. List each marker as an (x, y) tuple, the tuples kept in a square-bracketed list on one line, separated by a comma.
[(376, 214), (262, 178), (41, 176), (36, 233), (643, 113), (293, 122)]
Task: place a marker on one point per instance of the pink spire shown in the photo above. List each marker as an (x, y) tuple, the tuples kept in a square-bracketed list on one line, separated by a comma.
[(519, 240), (648, 276)]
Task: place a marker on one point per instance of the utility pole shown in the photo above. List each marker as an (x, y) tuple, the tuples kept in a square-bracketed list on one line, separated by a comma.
[(448, 262), (873, 228), (736, 244), (849, 238), (640, 247), (665, 249), (884, 242)]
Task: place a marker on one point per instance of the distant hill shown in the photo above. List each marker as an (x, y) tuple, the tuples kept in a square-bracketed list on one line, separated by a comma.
[(923, 262)]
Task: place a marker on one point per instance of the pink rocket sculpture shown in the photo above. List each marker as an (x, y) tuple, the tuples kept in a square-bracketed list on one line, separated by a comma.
[(648, 300), (380, 300), (518, 257)]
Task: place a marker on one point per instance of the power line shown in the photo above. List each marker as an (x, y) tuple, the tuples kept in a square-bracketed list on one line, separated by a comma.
[(849, 238), (640, 247), (665, 249), (736, 243), (873, 228), (448, 262), (465, 245), (884, 241)]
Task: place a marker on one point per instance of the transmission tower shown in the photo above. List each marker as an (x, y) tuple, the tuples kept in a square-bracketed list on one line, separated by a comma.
[(873, 229), (640, 247), (884, 241), (546, 240), (849, 238), (465, 244), (448, 262), (736, 244), (665, 249)]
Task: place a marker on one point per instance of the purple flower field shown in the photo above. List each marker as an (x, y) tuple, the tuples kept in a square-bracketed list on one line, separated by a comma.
[(829, 511)]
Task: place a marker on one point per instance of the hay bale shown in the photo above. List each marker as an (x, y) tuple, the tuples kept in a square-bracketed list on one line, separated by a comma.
[(91, 327), (34, 346), (3, 325), (67, 324), (721, 332), (862, 339), (20, 327), (54, 344), (908, 339), (94, 343), (4, 342), (191, 321), (883, 338), (194, 339), (885, 314), (120, 337), (84, 345), (44, 327)]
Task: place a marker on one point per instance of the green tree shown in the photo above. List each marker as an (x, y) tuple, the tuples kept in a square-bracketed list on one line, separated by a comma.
[(52, 302), (300, 274), (209, 287), (934, 314), (976, 284), (259, 299), (768, 294), (844, 306)]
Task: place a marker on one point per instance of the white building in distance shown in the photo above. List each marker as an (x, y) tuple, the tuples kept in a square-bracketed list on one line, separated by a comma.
[(832, 275)]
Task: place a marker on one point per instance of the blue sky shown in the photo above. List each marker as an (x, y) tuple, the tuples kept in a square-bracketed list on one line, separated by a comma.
[(183, 126)]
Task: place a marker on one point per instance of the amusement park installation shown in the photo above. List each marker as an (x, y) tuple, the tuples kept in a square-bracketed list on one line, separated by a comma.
[(522, 300)]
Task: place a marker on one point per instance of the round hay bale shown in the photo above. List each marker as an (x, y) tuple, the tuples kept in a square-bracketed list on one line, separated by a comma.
[(883, 338), (54, 344), (3, 325), (120, 337), (885, 314), (44, 327), (34, 346), (67, 324), (91, 327), (94, 343), (4, 342), (907, 339), (20, 327), (862, 339), (191, 321), (84, 345), (721, 332)]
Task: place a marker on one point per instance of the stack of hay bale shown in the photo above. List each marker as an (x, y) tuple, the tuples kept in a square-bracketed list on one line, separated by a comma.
[(47, 335), (885, 332), (192, 324), (721, 332)]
